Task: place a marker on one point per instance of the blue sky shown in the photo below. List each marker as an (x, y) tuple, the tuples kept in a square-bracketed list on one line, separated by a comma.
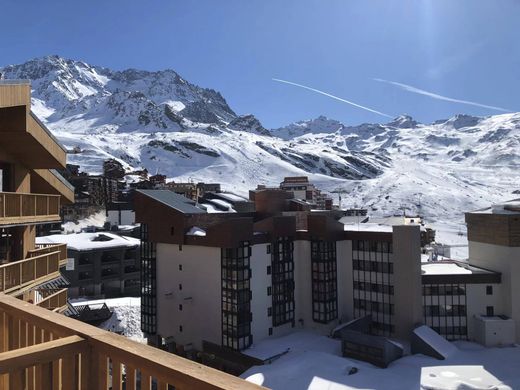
[(465, 50)]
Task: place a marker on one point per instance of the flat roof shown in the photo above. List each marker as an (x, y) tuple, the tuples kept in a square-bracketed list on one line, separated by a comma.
[(90, 241), (367, 227), (509, 207), (174, 200), (452, 271)]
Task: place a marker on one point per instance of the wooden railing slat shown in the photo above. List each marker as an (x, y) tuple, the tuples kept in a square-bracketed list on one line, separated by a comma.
[(117, 375), (68, 369), (130, 380), (146, 381)]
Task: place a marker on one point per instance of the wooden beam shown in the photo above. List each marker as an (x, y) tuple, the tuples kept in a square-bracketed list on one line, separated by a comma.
[(40, 353)]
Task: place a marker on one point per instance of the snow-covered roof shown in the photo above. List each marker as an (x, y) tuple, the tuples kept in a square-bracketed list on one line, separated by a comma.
[(196, 231), (450, 267), (509, 207), (442, 268), (232, 197), (89, 241), (367, 227)]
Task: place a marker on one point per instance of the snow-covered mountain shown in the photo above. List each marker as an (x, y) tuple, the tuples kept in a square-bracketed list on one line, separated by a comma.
[(162, 122)]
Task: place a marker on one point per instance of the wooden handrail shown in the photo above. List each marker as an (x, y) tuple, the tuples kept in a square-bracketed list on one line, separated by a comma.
[(48, 248), (105, 357), (55, 300), (20, 358)]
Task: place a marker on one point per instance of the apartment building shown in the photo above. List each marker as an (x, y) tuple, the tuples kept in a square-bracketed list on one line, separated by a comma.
[(229, 279), (103, 264), (31, 194), (267, 273)]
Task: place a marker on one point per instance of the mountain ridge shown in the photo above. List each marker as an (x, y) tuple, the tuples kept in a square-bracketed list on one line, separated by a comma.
[(160, 121)]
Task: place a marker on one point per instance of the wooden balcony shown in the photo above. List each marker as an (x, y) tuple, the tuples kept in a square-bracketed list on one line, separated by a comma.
[(37, 268), (54, 300), (40, 349), (21, 208)]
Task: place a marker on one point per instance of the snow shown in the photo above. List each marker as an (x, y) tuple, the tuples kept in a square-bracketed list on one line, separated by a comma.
[(87, 241), (438, 268), (97, 220), (367, 227), (196, 231), (126, 317), (469, 366), (295, 341), (436, 341)]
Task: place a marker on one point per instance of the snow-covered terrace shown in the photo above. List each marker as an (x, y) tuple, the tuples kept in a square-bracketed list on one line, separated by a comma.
[(310, 361)]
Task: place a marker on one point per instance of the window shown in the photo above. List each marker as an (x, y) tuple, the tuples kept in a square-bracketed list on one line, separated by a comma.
[(268, 270), (268, 249), (180, 267), (489, 290), (180, 286), (270, 331), (172, 231), (445, 310), (324, 281), (269, 291), (148, 283), (490, 311), (180, 307), (282, 277), (373, 292), (269, 311), (180, 248), (180, 328), (236, 297)]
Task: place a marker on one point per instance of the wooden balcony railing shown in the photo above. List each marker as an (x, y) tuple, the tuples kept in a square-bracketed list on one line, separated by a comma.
[(18, 274), (27, 208), (42, 249), (40, 349), (55, 300)]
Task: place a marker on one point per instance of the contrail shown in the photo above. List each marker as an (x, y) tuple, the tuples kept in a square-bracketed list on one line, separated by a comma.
[(333, 97), (419, 91)]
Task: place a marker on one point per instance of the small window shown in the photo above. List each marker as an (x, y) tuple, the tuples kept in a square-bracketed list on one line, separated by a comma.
[(490, 311), (180, 307), (489, 290), (172, 231), (180, 286), (269, 311), (180, 248), (269, 290), (270, 331), (268, 249), (268, 270), (180, 267), (180, 328)]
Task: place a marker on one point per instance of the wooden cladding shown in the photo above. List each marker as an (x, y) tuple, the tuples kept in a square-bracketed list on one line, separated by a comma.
[(17, 274), (45, 350), (495, 229), (24, 208)]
